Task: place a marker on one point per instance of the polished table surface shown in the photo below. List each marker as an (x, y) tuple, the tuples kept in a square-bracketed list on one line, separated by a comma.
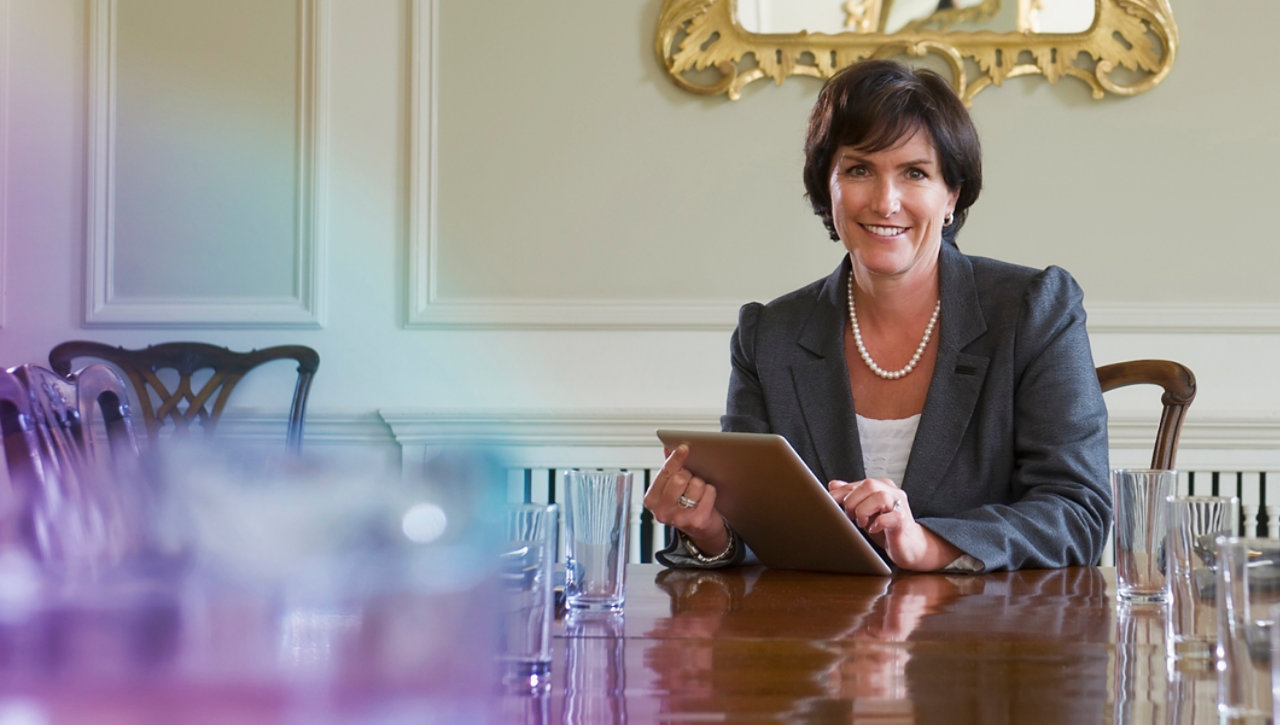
[(766, 645), (737, 645)]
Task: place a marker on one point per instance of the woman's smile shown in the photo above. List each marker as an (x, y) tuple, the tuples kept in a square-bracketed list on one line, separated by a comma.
[(883, 231)]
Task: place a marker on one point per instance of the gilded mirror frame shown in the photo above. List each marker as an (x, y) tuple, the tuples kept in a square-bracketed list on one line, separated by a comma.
[(1129, 49)]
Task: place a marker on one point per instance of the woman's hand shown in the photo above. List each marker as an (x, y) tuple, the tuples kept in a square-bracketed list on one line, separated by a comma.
[(680, 499), (881, 509)]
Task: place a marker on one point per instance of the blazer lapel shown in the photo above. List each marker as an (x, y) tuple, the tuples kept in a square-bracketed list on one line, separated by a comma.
[(957, 378), (822, 385)]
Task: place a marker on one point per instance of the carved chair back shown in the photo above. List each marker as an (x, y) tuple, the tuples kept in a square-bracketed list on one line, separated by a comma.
[(1179, 385), (191, 400)]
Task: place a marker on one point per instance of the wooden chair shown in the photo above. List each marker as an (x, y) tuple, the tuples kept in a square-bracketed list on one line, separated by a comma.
[(69, 490), (1179, 385), (181, 405)]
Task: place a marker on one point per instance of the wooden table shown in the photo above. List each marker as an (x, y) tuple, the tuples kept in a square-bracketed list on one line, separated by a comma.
[(763, 645), (741, 645)]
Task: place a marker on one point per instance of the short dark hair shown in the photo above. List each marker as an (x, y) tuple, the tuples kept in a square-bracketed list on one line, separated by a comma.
[(874, 104)]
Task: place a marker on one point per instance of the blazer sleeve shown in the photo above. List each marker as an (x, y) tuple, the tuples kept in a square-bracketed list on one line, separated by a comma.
[(1059, 498), (745, 410)]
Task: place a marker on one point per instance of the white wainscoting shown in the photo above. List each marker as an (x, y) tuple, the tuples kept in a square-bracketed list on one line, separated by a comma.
[(1230, 457), (1238, 455)]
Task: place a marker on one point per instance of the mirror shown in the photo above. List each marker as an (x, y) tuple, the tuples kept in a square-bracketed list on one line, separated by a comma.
[(906, 16), (1123, 47)]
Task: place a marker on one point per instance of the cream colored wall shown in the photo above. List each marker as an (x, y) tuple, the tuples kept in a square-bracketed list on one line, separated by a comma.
[(594, 228)]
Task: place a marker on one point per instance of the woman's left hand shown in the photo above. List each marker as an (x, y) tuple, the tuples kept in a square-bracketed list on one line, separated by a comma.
[(881, 509)]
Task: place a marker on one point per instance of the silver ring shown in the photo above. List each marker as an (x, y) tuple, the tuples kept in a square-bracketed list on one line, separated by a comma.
[(685, 502), (896, 505)]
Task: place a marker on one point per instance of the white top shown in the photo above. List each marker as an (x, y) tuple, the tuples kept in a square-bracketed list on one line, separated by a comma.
[(886, 446)]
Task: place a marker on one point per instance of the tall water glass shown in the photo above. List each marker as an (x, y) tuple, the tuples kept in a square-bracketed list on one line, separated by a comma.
[(1142, 514), (1248, 587), (597, 510), (1194, 523), (525, 569)]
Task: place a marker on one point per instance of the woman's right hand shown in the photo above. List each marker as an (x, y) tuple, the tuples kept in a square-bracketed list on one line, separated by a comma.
[(698, 517), (881, 509)]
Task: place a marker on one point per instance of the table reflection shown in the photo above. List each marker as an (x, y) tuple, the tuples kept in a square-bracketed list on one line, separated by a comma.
[(923, 646), (1016, 647), (178, 651), (595, 668)]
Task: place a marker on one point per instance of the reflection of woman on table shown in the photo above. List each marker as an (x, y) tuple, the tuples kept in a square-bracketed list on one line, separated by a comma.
[(851, 654), (950, 400), (709, 649)]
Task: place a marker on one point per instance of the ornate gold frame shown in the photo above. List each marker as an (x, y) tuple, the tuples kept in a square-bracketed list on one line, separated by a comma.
[(696, 38)]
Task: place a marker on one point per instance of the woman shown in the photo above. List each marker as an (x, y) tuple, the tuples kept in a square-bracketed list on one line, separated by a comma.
[(950, 400)]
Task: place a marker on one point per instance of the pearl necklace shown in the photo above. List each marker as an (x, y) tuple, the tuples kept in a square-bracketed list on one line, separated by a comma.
[(866, 356)]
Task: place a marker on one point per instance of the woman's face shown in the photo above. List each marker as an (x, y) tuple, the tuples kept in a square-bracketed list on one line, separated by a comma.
[(888, 207)]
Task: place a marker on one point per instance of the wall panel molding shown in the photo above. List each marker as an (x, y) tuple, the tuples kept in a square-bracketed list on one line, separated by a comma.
[(307, 308), (427, 309), (423, 47)]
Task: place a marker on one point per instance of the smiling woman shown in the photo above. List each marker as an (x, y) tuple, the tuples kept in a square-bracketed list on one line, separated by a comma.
[(955, 412)]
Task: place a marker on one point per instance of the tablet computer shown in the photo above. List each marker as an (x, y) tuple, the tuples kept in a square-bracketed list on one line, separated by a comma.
[(775, 503)]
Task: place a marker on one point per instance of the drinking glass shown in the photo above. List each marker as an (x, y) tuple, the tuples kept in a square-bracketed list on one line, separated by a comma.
[(1141, 511), (597, 510), (1194, 523), (525, 571)]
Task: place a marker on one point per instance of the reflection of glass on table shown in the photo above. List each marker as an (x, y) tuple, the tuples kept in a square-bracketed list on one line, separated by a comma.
[(1140, 662), (1248, 586), (595, 668)]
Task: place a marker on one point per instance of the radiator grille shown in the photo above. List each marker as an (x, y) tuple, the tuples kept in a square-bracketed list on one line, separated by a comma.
[(1259, 499), (1257, 490)]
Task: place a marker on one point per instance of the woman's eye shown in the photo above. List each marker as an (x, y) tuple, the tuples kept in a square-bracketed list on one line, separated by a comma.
[(857, 171), (916, 174)]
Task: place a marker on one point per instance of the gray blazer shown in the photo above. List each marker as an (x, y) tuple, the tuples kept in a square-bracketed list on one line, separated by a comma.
[(1009, 462)]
